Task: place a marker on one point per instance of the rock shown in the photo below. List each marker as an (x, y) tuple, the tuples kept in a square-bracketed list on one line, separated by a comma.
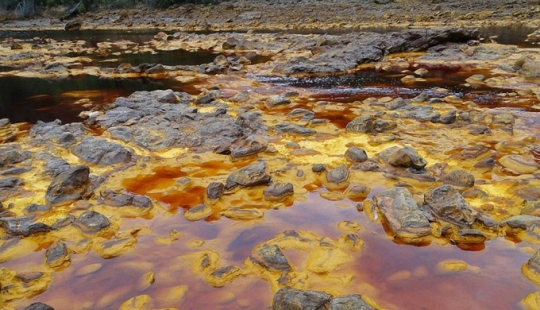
[(122, 198), (252, 145), (115, 247), (469, 236), (10, 183), (277, 100), (518, 164), (289, 298), (102, 152), (302, 114), (448, 117), (57, 255), (356, 154), (338, 175), (504, 119), (214, 191), (318, 168), (222, 276), (157, 69), (35, 208), (243, 214), (294, 129), (23, 225), (476, 130), (271, 258), (278, 191), (459, 177), (91, 222), (448, 205), (530, 68), (362, 123), (396, 104), (350, 302), (9, 156), (68, 186), (248, 176), (402, 213), (54, 167), (38, 306), (403, 157), (532, 269), (73, 25), (518, 223), (198, 212), (357, 192)]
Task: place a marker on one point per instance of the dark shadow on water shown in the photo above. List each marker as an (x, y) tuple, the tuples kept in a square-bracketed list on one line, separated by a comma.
[(32, 99)]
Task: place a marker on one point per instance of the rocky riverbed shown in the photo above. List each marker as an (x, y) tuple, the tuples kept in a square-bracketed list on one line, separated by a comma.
[(275, 176)]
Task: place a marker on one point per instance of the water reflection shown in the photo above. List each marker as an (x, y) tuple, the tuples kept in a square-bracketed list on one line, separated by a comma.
[(32, 99)]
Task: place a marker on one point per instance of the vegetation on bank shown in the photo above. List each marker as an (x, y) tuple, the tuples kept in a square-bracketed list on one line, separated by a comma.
[(28, 8)]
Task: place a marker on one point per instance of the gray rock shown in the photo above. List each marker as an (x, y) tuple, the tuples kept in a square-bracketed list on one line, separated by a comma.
[(214, 191), (9, 156), (198, 212), (57, 255), (294, 129), (448, 117), (302, 114), (16, 170), (356, 154), (396, 104), (64, 135), (403, 157), (68, 186), (447, 204), (318, 168), (338, 175), (278, 190), (402, 213), (91, 222), (102, 152), (350, 302), (518, 223), (123, 198), (532, 268), (277, 100), (23, 225), (248, 176), (252, 145), (289, 298), (271, 257), (459, 177), (10, 183), (38, 306), (54, 167), (36, 208), (362, 123)]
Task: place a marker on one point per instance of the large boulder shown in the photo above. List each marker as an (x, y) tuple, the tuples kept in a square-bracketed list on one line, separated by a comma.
[(68, 186), (402, 213), (102, 152)]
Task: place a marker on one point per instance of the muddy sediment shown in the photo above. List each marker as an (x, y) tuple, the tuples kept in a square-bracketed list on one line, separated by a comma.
[(359, 170)]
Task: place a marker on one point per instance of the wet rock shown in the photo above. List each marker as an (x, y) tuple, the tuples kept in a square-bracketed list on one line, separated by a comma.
[(16, 170), (448, 117), (198, 213), (64, 135), (115, 247), (350, 302), (532, 269), (294, 129), (243, 214), (338, 175), (289, 298), (302, 114), (403, 157), (10, 183), (23, 225), (469, 236), (356, 154), (447, 204), (91, 222), (38, 306), (504, 119), (402, 213), (222, 276), (358, 192), (57, 255), (252, 145), (29, 276), (318, 168), (381, 125), (248, 176), (396, 104), (459, 177), (277, 100), (68, 186), (528, 193), (73, 25), (102, 152), (37, 208), (277, 191), (214, 191), (362, 123), (56, 166), (157, 69), (518, 164), (122, 198), (271, 257), (517, 223), (476, 130)]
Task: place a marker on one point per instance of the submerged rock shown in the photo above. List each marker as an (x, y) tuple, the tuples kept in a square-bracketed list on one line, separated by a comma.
[(447, 204), (198, 212), (289, 298), (68, 186), (222, 276), (402, 213)]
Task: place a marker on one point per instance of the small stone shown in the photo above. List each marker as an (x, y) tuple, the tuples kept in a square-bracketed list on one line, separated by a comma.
[(278, 191), (356, 154), (91, 222), (289, 298), (214, 191), (459, 178), (318, 168), (199, 212), (271, 257), (57, 255), (338, 175)]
